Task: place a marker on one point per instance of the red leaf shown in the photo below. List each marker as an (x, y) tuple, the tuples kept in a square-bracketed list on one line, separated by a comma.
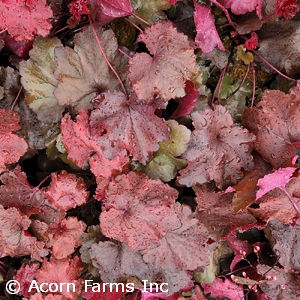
[(24, 19), (12, 147), (276, 126), (17, 192), (215, 142), (242, 7), (286, 8), (252, 43), (134, 201), (66, 191), (78, 8), (19, 48), (207, 36), (187, 103), (81, 144), (240, 248), (216, 212), (24, 276), (126, 125), (107, 10), (14, 240), (227, 288), (173, 62), (62, 271)]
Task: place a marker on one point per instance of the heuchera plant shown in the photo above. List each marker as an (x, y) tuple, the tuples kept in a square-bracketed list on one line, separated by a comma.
[(149, 141)]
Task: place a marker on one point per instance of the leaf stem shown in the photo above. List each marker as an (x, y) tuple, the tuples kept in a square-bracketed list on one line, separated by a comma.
[(254, 84), (134, 25), (140, 19), (272, 67), (241, 84), (105, 57), (225, 12), (16, 99), (124, 53), (291, 199)]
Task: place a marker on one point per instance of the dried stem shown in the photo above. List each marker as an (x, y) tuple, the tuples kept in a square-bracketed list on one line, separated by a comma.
[(105, 57)]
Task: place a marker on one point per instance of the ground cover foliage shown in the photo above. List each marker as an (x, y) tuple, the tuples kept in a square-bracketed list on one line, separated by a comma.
[(150, 140)]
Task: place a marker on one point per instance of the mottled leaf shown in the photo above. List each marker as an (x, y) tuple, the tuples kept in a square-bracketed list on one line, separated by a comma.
[(38, 80), (82, 72), (15, 240), (171, 64), (135, 202), (214, 143), (119, 125), (81, 145), (66, 191), (275, 123), (25, 19)]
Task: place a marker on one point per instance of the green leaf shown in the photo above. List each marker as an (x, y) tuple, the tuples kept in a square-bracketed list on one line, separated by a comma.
[(164, 164), (39, 81)]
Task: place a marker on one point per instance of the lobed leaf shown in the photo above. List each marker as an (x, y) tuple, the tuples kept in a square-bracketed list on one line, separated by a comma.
[(166, 71)]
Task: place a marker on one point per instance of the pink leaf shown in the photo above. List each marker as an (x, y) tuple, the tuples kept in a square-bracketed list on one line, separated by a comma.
[(15, 240), (279, 204), (66, 236), (227, 288), (207, 36), (242, 7), (24, 19), (24, 276), (65, 191), (135, 202), (277, 179), (187, 103), (65, 270), (119, 125), (171, 64), (107, 10), (81, 144), (12, 147)]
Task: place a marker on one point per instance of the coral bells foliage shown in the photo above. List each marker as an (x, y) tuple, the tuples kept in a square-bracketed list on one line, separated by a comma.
[(148, 162), (78, 8)]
